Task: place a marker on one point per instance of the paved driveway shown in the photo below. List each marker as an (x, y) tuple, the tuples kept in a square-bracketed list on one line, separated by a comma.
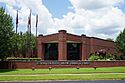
[(98, 81)]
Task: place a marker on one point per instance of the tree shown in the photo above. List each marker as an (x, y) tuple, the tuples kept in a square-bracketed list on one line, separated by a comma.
[(109, 39), (15, 41), (6, 34), (120, 42), (23, 43)]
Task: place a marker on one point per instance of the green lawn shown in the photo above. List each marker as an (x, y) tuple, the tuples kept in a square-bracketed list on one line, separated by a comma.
[(63, 74), (65, 71), (64, 77)]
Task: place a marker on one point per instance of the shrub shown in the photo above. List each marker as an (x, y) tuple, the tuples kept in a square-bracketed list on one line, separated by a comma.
[(122, 57), (23, 59), (110, 57), (117, 57), (94, 57), (100, 57)]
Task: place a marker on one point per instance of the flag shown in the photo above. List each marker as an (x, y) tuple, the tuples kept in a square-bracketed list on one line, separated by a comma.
[(36, 20), (36, 23), (17, 21), (29, 23)]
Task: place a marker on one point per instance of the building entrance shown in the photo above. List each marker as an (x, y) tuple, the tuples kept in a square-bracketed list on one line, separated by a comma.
[(73, 51), (51, 51)]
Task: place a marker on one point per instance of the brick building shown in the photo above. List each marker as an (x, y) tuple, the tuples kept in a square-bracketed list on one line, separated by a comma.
[(66, 46)]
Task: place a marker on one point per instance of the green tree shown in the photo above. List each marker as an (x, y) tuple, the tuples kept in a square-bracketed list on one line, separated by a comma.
[(109, 39), (6, 34), (120, 42), (15, 41), (23, 43)]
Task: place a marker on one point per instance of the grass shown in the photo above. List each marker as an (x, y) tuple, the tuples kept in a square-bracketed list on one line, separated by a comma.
[(65, 71), (63, 74), (64, 77)]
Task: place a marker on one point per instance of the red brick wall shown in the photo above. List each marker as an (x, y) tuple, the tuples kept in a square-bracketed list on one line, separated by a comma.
[(98, 44), (88, 44), (48, 38), (29, 65), (74, 38)]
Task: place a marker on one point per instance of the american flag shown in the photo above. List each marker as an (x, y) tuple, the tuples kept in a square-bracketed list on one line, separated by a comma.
[(36, 23), (17, 21)]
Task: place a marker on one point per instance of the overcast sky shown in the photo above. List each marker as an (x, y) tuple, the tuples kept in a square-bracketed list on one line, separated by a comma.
[(97, 18)]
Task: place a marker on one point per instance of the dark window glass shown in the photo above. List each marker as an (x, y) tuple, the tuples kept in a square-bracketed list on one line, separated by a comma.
[(73, 51), (51, 51)]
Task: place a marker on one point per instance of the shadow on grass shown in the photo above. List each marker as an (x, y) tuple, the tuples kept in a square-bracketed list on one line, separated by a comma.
[(7, 70), (7, 66)]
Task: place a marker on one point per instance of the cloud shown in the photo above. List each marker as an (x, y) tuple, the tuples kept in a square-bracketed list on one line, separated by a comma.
[(99, 18), (23, 6), (108, 21), (92, 4)]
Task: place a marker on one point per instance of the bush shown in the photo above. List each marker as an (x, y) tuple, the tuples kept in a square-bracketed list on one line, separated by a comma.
[(100, 57), (122, 57), (110, 57), (23, 59), (94, 57), (117, 57)]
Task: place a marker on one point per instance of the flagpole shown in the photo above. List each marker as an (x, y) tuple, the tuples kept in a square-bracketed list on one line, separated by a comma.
[(30, 23), (16, 47), (29, 35), (36, 24), (36, 33)]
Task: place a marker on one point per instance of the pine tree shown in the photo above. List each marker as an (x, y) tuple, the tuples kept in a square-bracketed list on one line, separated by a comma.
[(120, 42), (6, 34)]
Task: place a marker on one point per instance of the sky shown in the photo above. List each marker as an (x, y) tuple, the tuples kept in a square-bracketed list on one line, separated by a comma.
[(94, 18)]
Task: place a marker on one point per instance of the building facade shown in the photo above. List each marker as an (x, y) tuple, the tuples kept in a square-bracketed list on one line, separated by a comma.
[(66, 46)]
